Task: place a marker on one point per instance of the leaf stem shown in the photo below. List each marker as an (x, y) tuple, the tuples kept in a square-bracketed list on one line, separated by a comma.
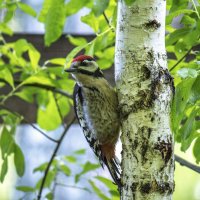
[(181, 59)]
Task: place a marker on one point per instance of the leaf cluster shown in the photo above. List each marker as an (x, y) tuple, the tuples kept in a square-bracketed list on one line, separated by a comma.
[(182, 42)]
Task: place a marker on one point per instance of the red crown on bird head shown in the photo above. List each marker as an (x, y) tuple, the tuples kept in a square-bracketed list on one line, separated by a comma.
[(82, 58)]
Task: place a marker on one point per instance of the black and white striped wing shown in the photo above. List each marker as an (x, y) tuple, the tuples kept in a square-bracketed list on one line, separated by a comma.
[(89, 135)]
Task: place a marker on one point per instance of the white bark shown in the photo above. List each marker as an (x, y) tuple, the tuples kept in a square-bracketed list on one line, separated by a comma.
[(144, 89)]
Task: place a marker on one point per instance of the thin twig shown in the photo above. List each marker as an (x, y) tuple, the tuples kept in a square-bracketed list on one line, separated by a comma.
[(181, 59), (40, 131), (107, 20), (187, 164), (47, 87), (52, 158), (58, 108), (29, 123), (73, 186)]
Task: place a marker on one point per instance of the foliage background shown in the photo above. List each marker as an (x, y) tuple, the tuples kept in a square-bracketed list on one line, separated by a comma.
[(45, 84)]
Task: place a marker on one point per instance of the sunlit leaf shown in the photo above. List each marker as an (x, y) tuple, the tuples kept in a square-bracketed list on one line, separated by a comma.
[(100, 6), (73, 53), (70, 159), (45, 8), (99, 193), (73, 6), (179, 102), (19, 160), (4, 169), (196, 151), (65, 169), (6, 75), (80, 151), (6, 143), (107, 182), (41, 167), (48, 117), (77, 41), (25, 188), (54, 21), (129, 2), (27, 9), (88, 166)]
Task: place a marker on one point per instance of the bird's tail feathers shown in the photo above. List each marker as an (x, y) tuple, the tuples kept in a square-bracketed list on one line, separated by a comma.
[(114, 168)]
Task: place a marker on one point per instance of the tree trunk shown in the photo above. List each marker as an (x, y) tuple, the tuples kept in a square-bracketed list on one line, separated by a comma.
[(145, 90)]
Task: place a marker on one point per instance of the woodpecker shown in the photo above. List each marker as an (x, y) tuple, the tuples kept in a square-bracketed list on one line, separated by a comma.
[(96, 108)]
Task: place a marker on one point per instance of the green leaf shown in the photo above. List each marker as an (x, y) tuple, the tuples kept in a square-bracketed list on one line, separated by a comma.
[(27, 94), (64, 105), (98, 191), (196, 151), (45, 8), (73, 6), (6, 75), (39, 79), (171, 16), (107, 182), (49, 180), (49, 196), (65, 169), (6, 143), (56, 61), (25, 188), (22, 46), (92, 21), (187, 20), (73, 53), (195, 91), (4, 28), (70, 159), (54, 22), (100, 6), (176, 35), (48, 117), (129, 2), (4, 169), (179, 102), (188, 127), (187, 73), (178, 5), (77, 41), (88, 166), (41, 167), (19, 161), (27, 9), (80, 152)]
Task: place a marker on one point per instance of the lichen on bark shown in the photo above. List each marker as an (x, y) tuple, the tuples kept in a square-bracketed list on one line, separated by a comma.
[(145, 90)]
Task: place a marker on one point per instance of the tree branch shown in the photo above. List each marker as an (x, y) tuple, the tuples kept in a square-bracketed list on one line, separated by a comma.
[(187, 164), (106, 18), (181, 59), (40, 131), (47, 87), (52, 158), (31, 124), (38, 85)]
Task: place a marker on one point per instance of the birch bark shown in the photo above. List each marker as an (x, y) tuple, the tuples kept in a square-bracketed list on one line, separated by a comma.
[(145, 90)]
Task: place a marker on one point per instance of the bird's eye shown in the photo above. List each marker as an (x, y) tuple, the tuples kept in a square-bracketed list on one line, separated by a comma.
[(85, 63)]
